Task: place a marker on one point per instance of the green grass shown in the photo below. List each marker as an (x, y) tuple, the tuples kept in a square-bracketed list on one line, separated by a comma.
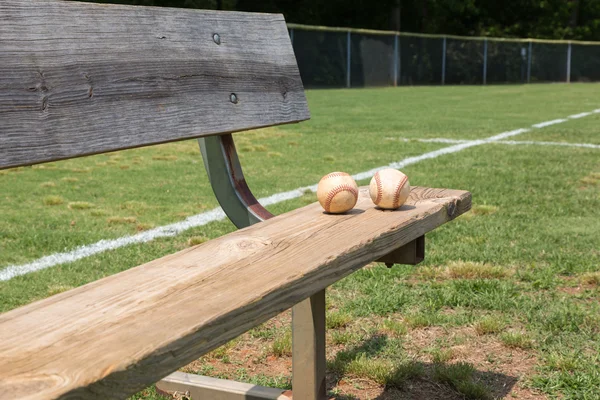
[(196, 240), (52, 200), (576, 131), (282, 345), (516, 340), (80, 205), (525, 260), (337, 319), (488, 325), (460, 377)]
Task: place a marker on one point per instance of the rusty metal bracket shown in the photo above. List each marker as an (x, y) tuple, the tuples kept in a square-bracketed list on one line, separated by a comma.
[(228, 182), (411, 253)]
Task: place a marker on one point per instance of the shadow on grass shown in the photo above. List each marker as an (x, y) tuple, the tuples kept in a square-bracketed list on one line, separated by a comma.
[(407, 379), (383, 361)]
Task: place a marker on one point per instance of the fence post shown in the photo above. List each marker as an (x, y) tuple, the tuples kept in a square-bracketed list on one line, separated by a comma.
[(444, 61), (529, 63), (485, 46), (348, 58), (399, 58), (569, 63), (396, 59)]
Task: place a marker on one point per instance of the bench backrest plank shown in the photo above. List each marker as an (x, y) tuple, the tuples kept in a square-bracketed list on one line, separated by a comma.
[(79, 78)]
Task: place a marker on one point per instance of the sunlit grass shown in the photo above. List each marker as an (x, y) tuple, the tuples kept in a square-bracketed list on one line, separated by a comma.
[(520, 271)]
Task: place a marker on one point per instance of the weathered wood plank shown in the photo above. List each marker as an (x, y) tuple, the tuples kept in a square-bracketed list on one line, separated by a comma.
[(79, 78), (113, 337), (204, 387)]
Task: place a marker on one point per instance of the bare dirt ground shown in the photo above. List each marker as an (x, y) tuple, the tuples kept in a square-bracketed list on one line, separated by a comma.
[(499, 368)]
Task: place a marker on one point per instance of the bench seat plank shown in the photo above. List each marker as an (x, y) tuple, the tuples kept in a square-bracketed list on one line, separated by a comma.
[(115, 336), (80, 78)]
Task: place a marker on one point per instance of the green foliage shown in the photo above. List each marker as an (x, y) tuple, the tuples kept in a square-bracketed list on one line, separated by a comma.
[(551, 19)]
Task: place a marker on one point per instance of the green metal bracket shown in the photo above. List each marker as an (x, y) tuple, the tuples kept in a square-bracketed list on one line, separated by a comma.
[(228, 182)]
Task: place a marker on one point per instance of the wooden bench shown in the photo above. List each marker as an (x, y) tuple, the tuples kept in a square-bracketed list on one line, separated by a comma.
[(79, 79)]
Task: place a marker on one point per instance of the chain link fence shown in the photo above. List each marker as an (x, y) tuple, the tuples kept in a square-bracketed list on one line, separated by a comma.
[(340, 57)]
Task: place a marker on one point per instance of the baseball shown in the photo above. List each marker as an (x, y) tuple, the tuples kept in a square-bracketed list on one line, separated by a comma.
[(337, 192), (389, 188)]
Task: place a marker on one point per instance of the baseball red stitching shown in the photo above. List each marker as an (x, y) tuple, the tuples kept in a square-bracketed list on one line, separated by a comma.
[(379, 188), (335, 191), (335, 174), (398, 189)]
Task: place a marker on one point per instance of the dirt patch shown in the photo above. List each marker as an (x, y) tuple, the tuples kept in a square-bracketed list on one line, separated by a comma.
[(498, 367), (572, 290), (584, 288)]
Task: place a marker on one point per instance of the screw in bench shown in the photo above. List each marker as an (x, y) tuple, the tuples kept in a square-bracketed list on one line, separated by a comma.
[(233, 98), (217, 38)]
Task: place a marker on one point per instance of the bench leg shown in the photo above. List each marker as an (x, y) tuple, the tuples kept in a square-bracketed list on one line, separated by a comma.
[(308, 349)]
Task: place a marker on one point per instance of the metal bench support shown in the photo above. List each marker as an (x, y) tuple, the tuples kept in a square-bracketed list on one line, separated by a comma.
[(308, 348), (228, 182), (308, 317)]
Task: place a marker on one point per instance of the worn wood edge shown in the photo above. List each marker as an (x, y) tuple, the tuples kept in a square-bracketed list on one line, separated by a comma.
[(129, 7), (19, 165), (154, 365)]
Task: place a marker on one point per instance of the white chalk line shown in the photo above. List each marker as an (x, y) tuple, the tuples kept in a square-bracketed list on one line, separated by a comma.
[(580, 115), (548, 123), (217, 214), (509, 142), (542, 143)]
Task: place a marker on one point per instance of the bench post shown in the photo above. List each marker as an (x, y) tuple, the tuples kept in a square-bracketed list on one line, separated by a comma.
[(308, 348)]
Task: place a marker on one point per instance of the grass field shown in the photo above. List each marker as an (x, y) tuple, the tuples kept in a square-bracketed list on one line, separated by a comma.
[(506, 304)]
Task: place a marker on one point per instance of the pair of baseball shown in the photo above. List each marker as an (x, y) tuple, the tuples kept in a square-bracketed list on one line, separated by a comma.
[(337, 192)]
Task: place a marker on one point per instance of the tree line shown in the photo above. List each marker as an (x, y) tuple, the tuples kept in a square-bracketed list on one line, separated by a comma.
[(546, 19)]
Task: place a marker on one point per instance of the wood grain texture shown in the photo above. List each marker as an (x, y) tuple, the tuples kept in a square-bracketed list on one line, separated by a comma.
[(115, 336), (79, 78)]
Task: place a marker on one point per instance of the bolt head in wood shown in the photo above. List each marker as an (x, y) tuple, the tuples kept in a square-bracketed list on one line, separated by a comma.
[(217, 38), (233, 98)]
